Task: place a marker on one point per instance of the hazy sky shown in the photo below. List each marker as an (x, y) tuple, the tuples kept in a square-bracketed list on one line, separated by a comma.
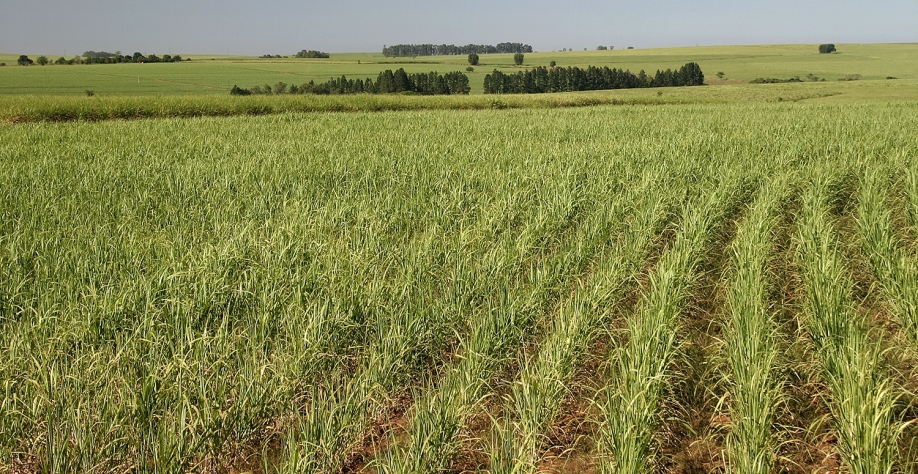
[(56, 27)]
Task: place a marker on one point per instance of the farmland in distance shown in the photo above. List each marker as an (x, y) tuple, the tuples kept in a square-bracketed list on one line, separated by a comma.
[(216, 75)]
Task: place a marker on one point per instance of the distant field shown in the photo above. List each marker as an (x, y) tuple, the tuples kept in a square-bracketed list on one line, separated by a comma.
[(18, 109), (217, 74)]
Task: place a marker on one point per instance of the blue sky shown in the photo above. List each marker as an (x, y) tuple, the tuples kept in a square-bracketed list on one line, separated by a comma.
[(56, 27)]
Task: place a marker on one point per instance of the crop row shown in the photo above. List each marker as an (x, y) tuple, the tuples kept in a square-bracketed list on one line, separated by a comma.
[(435, 291)]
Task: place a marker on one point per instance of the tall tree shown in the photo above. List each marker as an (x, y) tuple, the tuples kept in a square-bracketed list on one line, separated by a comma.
[(559, 79), (400, 81)]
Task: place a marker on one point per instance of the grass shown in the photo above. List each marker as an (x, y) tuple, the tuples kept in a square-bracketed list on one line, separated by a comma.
[(308, 292)]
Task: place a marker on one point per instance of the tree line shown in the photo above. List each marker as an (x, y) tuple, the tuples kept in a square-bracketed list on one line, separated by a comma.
[(101, 57), (312, 54), (569, 79), (388, 82), (412, 50)]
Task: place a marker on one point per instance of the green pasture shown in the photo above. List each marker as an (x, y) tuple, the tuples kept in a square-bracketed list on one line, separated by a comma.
[(208, 74)]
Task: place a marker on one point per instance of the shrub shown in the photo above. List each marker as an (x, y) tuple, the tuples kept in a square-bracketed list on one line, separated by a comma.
[(771, 80), (826, 48), (89, 93), (42, 60), (473, 59), (518, 59), (2, 64), (552, 64), (311, 54), (470, 69), (497, 104), (601, 48), (24, 61), (236, 90)]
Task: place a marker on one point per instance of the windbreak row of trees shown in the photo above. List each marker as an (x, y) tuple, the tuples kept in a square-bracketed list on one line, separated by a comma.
[(305, 53), (137, 57), (100, 54), (92, 57), (412, 50), (388, 82), (569, 79)]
